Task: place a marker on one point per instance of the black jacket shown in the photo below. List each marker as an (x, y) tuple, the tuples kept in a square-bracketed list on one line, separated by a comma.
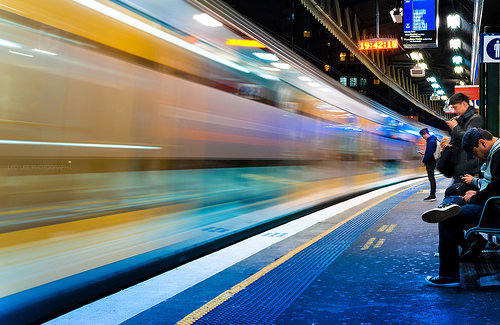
[(465, 122)]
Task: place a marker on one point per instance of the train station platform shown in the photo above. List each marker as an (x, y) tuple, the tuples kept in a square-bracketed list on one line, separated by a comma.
[(362, 261)]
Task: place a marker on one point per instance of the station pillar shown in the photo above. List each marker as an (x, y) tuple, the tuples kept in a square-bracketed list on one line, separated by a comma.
[(492, 98)]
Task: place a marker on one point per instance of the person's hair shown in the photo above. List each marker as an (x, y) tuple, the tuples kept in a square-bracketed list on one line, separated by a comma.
[(424, 131), (458, 98), (485, 135)]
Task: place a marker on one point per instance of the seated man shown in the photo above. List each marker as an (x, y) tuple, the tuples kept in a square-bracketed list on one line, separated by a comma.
[(457, 214)]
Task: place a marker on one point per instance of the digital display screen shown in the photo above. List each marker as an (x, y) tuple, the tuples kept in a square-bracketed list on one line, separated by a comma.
[(378, 44), (419, 23)]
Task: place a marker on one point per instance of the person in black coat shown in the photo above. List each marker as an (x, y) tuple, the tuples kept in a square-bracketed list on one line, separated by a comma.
[(429, 161), (467, 118)]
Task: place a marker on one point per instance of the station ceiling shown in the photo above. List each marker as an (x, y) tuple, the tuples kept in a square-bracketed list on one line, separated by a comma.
[(273, 15)]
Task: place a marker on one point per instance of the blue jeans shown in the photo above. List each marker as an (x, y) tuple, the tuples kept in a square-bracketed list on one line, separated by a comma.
[(451, 235)]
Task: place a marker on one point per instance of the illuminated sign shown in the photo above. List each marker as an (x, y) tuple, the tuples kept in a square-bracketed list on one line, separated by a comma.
[(244, 42), (378, 44), (419, 23), (471, 91)]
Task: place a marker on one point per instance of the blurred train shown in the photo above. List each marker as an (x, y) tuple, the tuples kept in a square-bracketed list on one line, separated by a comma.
[(133, 137)]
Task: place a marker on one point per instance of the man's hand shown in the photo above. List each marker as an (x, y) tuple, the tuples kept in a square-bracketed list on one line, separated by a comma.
[(452, 123), (468, 195), (467, 178)]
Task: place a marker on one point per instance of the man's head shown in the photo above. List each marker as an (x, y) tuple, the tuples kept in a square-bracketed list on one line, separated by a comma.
[(424, 133), (460, 103), (477, 143)]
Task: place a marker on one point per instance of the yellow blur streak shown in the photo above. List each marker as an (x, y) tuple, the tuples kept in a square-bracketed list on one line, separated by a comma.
[(244, 42), (203, 310), (79, 20), (93, 224)]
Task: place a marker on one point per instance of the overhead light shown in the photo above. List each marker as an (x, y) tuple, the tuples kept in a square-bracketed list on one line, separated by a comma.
[(207, 20), (4, 42), (455, 43), (440, 92), (435, 85), (270, 69), (462, 83), (314, 84), (416, 56), (431, 79), (459, 69), (453, 21), (303, 78), (444, 97), (423, 65), (325, 89), (280, 65), (457, 59), (266, 56), (131, 21)]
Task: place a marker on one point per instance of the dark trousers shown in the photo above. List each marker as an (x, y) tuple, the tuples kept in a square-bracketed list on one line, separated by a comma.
[(430, 174), (451, 235)]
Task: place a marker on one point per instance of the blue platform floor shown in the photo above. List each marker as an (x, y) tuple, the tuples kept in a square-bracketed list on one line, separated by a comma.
[(365, 265)]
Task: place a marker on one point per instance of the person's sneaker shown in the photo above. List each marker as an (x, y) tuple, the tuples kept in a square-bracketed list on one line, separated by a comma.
[(441, 213), (430, 198), (438, 281), (475, 248)]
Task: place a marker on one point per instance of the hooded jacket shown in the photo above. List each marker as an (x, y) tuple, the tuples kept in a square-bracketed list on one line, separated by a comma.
[(430, 148)]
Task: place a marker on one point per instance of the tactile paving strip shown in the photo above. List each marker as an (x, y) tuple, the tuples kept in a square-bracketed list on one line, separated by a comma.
[(265, 299)]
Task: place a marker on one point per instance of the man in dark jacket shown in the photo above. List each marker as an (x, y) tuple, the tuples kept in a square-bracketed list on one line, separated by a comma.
[(429, 161), (466, 119)]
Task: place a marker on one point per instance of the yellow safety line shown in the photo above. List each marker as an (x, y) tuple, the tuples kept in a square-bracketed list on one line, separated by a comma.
[(391, 228), (379, 243), (383, 228), (368, 243), (209, 306)]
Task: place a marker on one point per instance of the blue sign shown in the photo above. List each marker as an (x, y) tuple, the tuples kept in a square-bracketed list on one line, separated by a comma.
[(419, 24), (491, 48)]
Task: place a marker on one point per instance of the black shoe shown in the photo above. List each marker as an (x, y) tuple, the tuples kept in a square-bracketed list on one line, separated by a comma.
[(438, 281), (475, 248), (430, 198), (441, 213)]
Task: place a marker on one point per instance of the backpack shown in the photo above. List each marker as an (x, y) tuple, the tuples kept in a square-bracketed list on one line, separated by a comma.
[(437, 152)]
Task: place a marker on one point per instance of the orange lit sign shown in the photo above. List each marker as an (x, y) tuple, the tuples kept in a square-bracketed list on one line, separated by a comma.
[(472, 91), (244, 42), (378, 44)]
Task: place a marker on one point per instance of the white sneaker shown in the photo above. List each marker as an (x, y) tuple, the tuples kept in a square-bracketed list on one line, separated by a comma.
[(441, 213)]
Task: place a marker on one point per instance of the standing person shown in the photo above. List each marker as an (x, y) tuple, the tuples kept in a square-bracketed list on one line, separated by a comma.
[(466, 119), (429, 161), (459, 213)]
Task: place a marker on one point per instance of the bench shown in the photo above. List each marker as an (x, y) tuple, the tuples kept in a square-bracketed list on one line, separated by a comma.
[(485, 271), (485, 223)]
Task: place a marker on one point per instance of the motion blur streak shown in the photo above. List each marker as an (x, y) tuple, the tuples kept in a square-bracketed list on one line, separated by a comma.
[(68, 144), (221, 148), (156, 32)]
